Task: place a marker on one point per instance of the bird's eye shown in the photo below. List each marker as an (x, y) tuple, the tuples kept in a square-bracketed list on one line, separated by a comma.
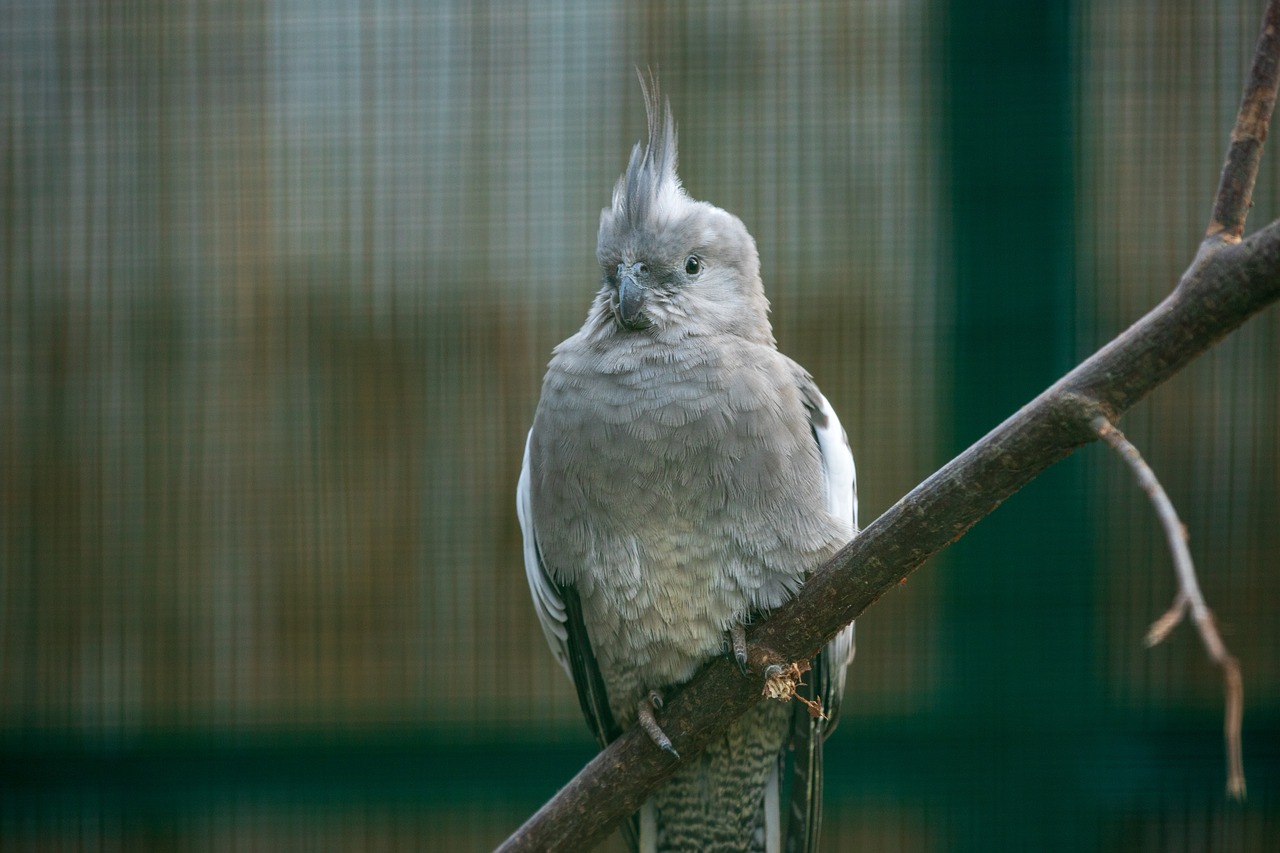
[(692, 266)]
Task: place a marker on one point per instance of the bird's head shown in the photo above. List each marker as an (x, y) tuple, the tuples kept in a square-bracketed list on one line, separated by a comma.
[(673, 265)]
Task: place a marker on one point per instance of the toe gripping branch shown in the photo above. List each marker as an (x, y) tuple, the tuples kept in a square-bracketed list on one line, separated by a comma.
[(644, 712), (738, 644)]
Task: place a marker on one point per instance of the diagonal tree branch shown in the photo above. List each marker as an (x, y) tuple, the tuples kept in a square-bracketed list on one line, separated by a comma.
[(1229, 281), (1222, 290)]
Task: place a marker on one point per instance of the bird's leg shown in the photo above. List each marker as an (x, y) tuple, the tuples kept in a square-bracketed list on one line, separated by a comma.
[(650, 725), (738, 642)]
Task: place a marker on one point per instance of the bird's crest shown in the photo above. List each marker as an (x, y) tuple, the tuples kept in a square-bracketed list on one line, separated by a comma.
[(649, 192)]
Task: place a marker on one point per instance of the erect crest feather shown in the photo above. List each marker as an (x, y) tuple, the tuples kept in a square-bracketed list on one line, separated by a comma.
[(649, 190)]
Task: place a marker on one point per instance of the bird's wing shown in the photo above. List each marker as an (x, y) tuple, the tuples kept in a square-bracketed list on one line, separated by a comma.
[(841, 481), (828, 673), (560, 614)]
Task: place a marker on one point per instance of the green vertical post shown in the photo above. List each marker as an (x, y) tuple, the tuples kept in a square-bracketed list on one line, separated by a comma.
[(1018, 622)]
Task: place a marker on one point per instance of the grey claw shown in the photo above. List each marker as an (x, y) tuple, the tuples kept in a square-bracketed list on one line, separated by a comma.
[(650, 725), (738, 639), (773, 670)]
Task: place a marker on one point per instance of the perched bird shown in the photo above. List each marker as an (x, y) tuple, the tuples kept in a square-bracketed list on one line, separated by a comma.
[(681, 478)]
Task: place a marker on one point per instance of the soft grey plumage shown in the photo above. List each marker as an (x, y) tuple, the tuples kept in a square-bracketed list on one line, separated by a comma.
[(681, 476)]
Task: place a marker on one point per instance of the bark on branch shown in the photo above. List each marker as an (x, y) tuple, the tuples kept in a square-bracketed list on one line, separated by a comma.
[(1229, 281), (1235, 188)]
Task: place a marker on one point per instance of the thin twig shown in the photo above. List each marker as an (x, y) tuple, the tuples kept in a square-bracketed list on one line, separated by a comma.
[(1189, 598), (1174, 531), (1240, 171)]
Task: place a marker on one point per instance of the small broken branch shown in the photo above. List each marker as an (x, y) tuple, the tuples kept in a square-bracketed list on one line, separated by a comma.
[(1189, 597), (783, 684), (1163, 627)]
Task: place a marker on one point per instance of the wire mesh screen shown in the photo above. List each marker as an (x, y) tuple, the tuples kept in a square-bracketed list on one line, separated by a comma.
[(280, 280)]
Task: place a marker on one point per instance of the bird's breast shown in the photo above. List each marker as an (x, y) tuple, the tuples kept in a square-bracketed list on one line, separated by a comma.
[(658, 486)]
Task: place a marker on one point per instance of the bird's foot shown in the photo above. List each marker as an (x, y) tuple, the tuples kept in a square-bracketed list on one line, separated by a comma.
[(645, 711), (738, 645)]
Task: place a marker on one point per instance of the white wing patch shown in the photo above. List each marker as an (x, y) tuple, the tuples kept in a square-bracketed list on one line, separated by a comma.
[(546, 600), (841, 480), (837, 465)]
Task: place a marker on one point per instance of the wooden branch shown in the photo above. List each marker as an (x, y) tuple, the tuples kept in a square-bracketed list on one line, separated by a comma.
[(1189, 597), (1223, 288), (1239, 173), (1229, 281)]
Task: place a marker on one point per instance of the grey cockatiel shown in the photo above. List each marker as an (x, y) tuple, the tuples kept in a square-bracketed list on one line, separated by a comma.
[(682, 476)]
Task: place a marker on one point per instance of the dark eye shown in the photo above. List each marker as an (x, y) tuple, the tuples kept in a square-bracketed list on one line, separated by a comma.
[(692, 266)]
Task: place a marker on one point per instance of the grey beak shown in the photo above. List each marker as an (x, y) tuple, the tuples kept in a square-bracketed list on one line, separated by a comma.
[(631, 296)]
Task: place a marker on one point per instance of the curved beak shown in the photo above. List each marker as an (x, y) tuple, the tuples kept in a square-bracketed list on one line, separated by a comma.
[(631, 296)]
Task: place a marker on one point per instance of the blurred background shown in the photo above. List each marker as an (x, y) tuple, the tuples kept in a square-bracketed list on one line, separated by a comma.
[(279, 281)]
